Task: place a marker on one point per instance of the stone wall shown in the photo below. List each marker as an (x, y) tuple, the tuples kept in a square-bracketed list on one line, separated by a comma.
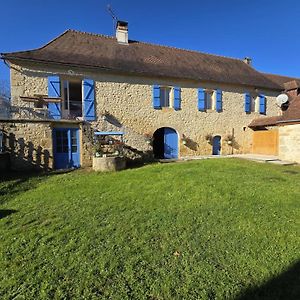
[(29, 144), (289, 142), (124, 103)]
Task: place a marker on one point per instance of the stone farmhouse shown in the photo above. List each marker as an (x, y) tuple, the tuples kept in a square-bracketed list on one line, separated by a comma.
[(165, 102)]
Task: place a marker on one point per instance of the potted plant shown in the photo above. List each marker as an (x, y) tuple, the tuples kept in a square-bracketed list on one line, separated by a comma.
[(229, 139), (209, 138), (148, 138), (184, 139)]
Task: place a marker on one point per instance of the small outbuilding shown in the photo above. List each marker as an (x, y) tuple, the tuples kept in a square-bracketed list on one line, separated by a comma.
[(280, 135)]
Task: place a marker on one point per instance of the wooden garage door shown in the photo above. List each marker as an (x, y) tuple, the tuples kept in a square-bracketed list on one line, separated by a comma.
[(265, 142)]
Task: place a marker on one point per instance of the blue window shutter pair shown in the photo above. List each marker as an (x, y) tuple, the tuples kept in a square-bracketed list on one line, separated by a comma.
[(262, 104), (218, 100), (177, 98), (247, 103), (54, 91), (156, 97), (201, 99), (89, 111)]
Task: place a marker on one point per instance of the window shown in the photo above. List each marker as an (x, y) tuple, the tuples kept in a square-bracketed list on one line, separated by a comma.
[(210, 101), (165, 96), (251, 103), (72, 95)]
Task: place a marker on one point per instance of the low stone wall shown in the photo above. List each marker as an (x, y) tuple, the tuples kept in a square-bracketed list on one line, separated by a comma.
[(28, 143), (289, 142), (106, 164)]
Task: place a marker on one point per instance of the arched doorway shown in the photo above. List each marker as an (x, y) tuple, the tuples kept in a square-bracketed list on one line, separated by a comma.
[(216, 145), (165, 143)]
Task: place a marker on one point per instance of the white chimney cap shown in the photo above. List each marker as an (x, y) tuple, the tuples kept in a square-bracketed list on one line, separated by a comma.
[(122, 32)]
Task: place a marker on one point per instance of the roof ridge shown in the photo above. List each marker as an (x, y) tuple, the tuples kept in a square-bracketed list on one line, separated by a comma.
[(91, 33), (158, 45)]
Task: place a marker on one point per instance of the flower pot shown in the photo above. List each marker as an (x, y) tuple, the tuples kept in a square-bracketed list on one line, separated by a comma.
[(184, 142), (229, 142)]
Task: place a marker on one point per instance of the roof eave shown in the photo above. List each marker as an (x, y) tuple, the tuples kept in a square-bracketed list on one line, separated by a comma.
[(10, 57)]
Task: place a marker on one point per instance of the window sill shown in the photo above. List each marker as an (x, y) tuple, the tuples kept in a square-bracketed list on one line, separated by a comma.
[(166, 109)]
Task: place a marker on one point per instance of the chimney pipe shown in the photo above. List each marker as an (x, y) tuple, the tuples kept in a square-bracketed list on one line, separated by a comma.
[(122, 32), (248, 61)]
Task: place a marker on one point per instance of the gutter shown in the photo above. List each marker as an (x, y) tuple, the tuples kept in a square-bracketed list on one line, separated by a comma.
[(288, 121)]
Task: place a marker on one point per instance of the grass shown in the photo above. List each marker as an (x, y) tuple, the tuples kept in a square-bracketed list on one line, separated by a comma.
[(213, 229)]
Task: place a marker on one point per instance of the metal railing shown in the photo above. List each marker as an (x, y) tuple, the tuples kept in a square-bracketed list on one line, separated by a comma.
[(25, 112)]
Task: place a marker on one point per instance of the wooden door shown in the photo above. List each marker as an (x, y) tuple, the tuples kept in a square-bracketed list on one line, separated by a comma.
[(265, 142)]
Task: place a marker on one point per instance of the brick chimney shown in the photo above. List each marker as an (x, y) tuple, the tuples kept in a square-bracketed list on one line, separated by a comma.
[(122, 32)]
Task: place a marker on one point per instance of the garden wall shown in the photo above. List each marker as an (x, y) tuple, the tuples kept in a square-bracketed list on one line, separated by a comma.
[(28, 143)]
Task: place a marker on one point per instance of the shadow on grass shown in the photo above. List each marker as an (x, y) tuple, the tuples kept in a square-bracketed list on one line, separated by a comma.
[(6, 212), (14, 183), (284, 286)]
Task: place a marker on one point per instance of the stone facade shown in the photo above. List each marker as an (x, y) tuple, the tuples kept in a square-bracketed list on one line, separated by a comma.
[(124, 103), (289, 142), (28, 143)]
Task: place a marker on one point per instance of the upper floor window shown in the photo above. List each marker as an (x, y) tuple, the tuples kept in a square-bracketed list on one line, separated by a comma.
[(72, 98), (210, 100), (75, 98), (165, 96), (255, 103)]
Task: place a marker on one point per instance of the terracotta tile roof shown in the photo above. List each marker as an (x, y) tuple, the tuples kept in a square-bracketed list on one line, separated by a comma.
[(291, 115), (265, 121), (293, 111), (90, 50), (284, 81)]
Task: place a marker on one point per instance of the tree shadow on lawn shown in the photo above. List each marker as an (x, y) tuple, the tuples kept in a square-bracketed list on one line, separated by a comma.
[(284, 286), (14, 183), (6, 212)]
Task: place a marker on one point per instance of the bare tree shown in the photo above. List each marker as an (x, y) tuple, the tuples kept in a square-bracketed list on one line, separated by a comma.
[(4, 89)]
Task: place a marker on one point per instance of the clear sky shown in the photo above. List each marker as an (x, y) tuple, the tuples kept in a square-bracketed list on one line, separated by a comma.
[(265, 30)]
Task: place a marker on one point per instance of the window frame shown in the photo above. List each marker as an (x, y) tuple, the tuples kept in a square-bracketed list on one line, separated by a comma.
[(167, 91), (213, 100), (65, 89)]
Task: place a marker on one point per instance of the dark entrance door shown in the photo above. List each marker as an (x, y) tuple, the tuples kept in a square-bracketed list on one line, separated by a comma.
[(66, 148), (165, 143), (216, 145)]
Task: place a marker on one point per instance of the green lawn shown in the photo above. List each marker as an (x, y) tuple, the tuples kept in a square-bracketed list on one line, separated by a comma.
[(210, 229)]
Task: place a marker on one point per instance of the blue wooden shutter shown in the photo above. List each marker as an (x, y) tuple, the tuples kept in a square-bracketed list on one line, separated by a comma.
[(201, 100), (156, 97), (177, 98), (89, 112), (262, 104), (218, 100), (54, 92), (247, 103)]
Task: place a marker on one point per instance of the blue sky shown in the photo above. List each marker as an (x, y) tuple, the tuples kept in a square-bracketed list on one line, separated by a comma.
[(266, 30)]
